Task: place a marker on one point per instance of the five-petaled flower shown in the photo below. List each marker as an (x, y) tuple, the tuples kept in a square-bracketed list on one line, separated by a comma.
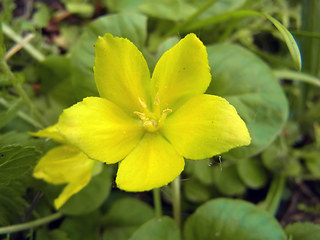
[(150, 125)]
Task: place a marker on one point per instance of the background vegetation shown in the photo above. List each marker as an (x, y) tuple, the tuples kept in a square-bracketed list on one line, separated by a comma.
[(268, 190)]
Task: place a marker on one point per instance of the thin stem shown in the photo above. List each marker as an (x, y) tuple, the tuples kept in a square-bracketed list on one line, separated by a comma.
[(7, 72), (176, 193), (31, 224), (180, 26), (18, 46), (272, 201), (157, 202), (17, 38)]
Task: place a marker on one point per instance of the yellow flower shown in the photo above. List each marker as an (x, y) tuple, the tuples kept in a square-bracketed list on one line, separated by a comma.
[(64, 164), (151, 125)]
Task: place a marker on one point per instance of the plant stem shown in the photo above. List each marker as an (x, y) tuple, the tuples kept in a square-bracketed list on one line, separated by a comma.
[(17, 86), (272, 201), (18, 46), (157, 202), (180, 26), (176, 193), (28, 225), (35, 53)]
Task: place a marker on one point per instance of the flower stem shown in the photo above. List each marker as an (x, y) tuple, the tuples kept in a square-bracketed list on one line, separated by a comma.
[(157, 202), (176, 193), (29, 225)]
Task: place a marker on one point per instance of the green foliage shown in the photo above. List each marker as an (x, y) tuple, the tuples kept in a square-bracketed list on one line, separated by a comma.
[(249, 85), (158, 229), (82, 227), (252, 173), (91, 197), (231, 219), (42, 16), (290, 41), (252, 53), (303, 231), (124, 217), (15, 161), (12, 204)]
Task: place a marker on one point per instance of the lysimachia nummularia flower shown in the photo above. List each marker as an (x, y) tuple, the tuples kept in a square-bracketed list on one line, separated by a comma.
[(64, 164), (150, 125)]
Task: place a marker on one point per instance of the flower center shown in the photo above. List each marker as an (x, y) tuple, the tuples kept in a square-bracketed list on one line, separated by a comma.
[(152, 121)]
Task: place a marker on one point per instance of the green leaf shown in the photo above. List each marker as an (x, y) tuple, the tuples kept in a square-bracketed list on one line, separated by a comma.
[(82, 227), (8, 115), (85, 10), (312, 161), (219, 7), (124, 217), (252, 173), (124, 5), (250, 86), (303, 231), (210, 21), (174, 10), (43, 234), (42, 16), (91, 197), (131, 26), (289, 40), (228, 219), (15, 161), (195, 191), (202, 170), (55, 78), (227, 180), (163, 228), (12, 204)]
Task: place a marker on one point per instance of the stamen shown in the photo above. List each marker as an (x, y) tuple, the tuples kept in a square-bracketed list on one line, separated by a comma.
[(142, 103), (142, 116)]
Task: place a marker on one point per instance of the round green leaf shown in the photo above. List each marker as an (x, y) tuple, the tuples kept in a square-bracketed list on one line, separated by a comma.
[(227, 180), (131, 26), (91, 197), (124, 217), (251, 87), (303, 231), (252, 173), (157, 229), (195, 191), (226, 219)]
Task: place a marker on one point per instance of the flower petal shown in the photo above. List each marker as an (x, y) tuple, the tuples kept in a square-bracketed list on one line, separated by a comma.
[(205, 126), (121, 72), (100, 129), (65, 164), (182, 72), (152, 164), (50, 132), (70, 190)]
